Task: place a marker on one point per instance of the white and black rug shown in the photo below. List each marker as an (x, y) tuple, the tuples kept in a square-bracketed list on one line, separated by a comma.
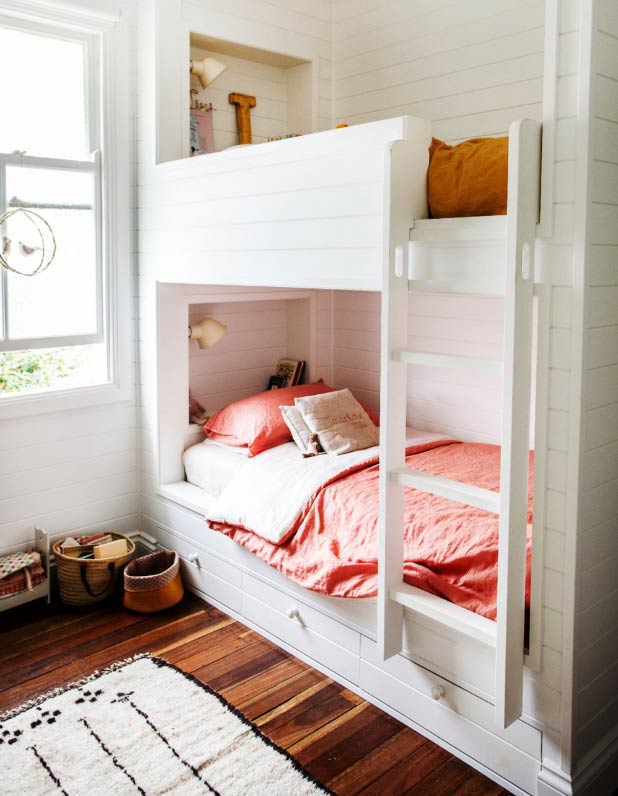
[(141, 728)]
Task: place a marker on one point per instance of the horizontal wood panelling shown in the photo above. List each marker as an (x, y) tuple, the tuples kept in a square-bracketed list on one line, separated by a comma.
[(452, 63), (463, 405)]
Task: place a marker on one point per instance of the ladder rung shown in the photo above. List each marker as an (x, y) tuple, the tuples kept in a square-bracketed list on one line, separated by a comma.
[(446, 488), (448, 361), (447, 613)]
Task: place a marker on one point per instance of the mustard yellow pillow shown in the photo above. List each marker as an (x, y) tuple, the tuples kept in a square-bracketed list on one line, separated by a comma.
[(469, 179)]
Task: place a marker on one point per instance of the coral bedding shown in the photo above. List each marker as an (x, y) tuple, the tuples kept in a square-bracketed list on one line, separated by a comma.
[(451, 549)]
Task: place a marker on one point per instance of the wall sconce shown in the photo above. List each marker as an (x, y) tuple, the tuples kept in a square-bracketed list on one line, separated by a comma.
[(207, 332), (207, 70)]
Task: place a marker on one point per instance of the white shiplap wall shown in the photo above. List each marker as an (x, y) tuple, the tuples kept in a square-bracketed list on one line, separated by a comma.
[(74, 470), (464, 405), (244, 358), (258, 334), (596, 706), (470, 66)]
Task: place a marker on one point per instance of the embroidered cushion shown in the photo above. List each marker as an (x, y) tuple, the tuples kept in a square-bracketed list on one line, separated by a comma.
[(301, 433), (339, 420)]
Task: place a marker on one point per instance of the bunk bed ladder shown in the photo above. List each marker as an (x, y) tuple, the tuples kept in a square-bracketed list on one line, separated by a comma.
[(511, 503)]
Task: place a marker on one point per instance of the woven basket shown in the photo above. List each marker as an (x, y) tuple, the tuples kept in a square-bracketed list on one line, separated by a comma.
[(91, 580), (153, 583)]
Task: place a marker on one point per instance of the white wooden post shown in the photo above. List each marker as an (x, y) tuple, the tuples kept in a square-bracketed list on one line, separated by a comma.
[(404, 199), (523, 211)]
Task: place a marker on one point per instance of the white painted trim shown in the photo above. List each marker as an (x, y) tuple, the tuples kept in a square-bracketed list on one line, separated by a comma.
[(573, 509), (116, 170), (89, 15), (523, 193)]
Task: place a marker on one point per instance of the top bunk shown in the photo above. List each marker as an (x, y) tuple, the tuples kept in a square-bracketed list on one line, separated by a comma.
[(317, 211)]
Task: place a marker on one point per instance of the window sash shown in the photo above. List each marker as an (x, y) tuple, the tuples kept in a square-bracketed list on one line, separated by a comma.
[(98, 336)]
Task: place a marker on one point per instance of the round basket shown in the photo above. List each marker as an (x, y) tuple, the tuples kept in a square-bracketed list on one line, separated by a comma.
[(153, 583), (91, 580)]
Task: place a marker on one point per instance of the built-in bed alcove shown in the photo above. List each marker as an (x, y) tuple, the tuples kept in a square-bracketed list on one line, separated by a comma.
[(337, 332)]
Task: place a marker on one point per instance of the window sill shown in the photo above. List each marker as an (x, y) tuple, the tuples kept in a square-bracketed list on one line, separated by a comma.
[(16, 406)]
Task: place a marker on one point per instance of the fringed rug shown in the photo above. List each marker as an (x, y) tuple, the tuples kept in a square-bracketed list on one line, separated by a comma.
[(141, 727)]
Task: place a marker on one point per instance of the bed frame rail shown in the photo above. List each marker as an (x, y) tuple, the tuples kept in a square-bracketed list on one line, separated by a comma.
[(511, 503)]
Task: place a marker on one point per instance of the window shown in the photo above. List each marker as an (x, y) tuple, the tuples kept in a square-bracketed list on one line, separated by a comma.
[(53, 283)]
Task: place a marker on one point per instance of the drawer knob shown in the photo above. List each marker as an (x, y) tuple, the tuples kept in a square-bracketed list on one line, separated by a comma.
[(292, 613), (194, 559), (437, 692)]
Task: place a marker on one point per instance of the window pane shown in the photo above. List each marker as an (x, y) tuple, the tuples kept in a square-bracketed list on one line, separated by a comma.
[(43, 96), (61, 300), (37, 370)]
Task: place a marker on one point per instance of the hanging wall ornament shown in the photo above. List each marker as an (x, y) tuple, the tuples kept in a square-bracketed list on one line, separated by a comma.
[(43, 250)]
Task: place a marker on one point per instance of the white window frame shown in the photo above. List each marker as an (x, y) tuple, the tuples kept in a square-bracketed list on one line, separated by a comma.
[(104, 33)]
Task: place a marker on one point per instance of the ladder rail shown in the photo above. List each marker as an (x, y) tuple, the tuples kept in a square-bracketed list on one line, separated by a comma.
[(523, 212), (405, 197)]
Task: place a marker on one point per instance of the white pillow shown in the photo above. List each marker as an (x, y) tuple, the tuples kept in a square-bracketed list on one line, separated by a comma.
[(300, 431), (341, 423), (211, 465)]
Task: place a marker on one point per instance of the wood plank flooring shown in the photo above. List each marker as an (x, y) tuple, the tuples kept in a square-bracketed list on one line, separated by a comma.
[(348, 744)]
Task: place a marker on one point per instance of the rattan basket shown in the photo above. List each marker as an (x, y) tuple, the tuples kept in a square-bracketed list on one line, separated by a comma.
[(153, 583), (91, 580)]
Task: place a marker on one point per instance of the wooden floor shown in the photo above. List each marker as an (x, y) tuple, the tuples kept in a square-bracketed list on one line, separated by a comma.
[(348, 744)]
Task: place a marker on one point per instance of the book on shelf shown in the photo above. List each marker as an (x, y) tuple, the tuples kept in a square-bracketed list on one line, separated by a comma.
[(291, 370)]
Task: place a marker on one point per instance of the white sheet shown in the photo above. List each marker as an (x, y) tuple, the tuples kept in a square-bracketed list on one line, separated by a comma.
[(211, 465), (269, 493)]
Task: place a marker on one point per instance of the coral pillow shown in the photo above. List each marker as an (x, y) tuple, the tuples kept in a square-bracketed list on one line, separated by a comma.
[(256, 422), (340, 422), (469, 179)]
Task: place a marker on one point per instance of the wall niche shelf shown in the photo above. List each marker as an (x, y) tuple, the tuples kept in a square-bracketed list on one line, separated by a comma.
[(284, 86)]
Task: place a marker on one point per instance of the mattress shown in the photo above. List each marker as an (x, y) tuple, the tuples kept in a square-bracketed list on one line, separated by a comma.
[(211, 465)]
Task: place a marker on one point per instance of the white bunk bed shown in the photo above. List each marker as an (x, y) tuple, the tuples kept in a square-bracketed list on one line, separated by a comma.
[(454, 675)]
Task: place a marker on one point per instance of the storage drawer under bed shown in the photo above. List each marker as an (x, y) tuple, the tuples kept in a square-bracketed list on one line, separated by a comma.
[(310, 632)]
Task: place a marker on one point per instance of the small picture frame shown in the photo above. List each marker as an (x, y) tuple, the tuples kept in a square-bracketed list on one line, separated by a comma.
[(291, 370), (276, 383)]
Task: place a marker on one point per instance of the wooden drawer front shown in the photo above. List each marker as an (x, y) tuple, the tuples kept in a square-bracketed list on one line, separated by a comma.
[(210, 585), (301, 637), (445, 709), (458, 658), (302, 614), (205, 560), (445, 724)]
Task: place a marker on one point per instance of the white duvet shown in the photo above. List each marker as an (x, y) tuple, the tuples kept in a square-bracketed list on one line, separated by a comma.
[(269, 492)]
